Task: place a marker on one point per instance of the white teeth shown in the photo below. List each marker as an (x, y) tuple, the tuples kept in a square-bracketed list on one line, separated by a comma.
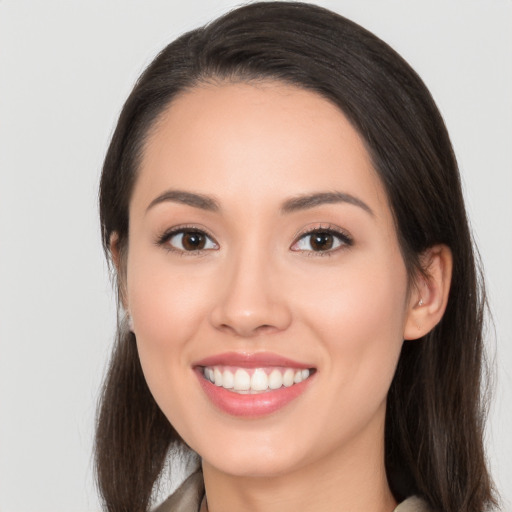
[(259, 380), (228, 380), (217, 375), (256, 380), (288, 378), (300, 376), (275, 379), (242, 380)]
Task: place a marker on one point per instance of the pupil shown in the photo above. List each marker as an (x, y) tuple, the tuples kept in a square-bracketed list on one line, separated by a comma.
[(321, 241), (193, 241)]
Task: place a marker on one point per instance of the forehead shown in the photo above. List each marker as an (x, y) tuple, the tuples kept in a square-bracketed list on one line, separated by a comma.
[(259, 141)]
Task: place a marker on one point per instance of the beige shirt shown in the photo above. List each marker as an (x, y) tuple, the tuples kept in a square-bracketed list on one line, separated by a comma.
[(189, 495)]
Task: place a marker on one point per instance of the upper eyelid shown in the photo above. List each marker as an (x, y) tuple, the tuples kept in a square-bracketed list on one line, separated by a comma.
[(329, 228), (168, 233)]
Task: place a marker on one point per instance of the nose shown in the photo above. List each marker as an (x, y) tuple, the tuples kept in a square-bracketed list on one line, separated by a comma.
[(252, 299)]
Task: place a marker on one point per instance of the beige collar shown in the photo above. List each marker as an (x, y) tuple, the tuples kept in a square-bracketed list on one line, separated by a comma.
[(189, 498)]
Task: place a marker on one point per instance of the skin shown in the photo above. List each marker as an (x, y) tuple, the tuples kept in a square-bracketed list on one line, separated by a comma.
[(258, 286)]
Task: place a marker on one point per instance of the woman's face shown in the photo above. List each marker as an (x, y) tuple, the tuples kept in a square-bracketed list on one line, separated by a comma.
[(262, 251)]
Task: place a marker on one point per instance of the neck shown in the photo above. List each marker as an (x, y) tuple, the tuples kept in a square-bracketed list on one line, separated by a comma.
[(345, 480)]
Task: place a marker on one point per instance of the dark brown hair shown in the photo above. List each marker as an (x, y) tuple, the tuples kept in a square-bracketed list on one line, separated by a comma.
[(435, 411)]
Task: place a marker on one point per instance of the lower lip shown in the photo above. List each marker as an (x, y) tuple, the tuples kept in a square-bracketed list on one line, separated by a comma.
[(251, 405)]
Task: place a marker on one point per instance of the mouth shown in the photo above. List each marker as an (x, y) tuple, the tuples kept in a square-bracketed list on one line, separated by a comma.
[(255, 380), (252, 385)]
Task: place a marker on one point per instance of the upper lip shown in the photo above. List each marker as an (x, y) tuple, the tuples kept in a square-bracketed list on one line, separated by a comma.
[(250, 360)]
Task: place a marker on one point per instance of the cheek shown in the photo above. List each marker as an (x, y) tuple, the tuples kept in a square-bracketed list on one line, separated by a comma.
[(359, 316), (356, 298), (164, 301), (167, 306)]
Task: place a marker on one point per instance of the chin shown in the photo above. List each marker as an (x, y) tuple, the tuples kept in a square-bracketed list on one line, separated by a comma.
[(241, 454), (253, 465)]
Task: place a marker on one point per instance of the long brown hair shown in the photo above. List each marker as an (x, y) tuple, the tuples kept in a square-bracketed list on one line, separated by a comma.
[(435, 411)]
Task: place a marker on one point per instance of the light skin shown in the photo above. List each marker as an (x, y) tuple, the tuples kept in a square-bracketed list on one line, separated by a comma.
[(255, 168)]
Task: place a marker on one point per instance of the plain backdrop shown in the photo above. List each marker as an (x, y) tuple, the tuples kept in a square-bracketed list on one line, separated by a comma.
[(65, 69)]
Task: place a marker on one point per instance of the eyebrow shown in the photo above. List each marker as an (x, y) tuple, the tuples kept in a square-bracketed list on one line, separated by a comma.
[(294, 204), (312, 200), (189, 198)]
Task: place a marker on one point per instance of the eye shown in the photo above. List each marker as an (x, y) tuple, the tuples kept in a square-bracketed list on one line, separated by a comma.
[(189, 240), (322, 240)]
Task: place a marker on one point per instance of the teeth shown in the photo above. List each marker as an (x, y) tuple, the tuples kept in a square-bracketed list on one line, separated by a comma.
[(300, 376), (258, 380), (217, 377), (228, 379), (242, 380), (288, 378), (275, 379)]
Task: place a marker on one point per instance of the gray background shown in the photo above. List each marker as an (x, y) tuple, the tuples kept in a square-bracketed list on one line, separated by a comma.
[(65, 69)]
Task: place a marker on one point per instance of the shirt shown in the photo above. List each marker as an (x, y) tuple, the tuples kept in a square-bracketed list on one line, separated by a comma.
[(188, 498)]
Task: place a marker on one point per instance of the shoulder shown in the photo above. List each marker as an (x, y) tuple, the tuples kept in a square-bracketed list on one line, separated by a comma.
[(413, 504), (187, 498)]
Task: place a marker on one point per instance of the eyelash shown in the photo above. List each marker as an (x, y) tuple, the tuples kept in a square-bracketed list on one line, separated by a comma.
[(344, 240), (163, 240)]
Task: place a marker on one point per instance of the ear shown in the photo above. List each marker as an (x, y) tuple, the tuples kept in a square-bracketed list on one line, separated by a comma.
[(119, 260), (114, 249), (429, 296)]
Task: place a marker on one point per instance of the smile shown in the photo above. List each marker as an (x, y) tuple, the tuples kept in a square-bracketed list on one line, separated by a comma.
[(252, 385), (254, 380)]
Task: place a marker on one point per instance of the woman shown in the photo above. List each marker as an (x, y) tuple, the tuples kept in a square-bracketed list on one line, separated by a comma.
[(283, 208)]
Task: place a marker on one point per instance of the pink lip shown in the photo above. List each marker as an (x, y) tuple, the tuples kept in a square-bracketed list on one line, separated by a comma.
[(250, 360), (250, 405)]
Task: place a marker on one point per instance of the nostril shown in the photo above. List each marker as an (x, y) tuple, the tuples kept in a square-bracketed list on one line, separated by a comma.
[(248, 331), (266, 329)]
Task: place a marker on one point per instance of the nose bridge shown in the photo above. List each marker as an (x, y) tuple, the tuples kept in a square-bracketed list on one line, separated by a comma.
[(251, 301)]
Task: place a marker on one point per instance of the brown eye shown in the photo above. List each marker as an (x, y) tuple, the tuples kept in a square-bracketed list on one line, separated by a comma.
[(191, 241), (321, 241)]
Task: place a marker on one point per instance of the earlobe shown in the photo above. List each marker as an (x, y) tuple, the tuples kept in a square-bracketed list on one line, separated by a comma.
[(429, 297)]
